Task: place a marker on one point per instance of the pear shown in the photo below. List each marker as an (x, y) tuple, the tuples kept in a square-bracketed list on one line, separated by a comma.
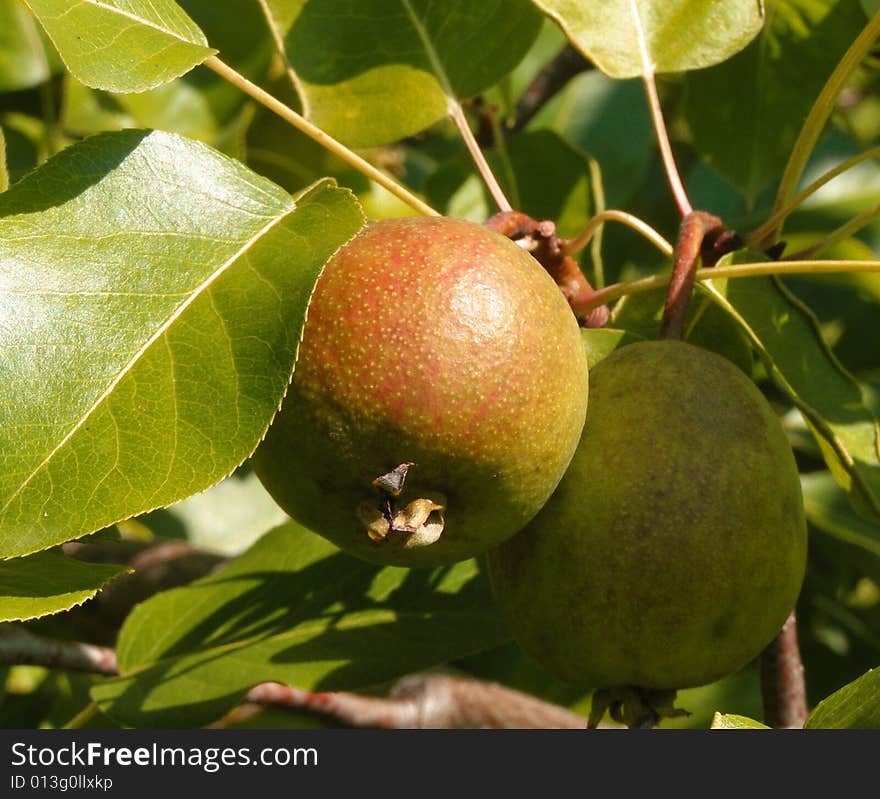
[(438, 396), (674, 548)]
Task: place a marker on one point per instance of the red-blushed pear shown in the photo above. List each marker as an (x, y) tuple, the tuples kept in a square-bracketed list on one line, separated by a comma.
[(674, 548), (439, 394)]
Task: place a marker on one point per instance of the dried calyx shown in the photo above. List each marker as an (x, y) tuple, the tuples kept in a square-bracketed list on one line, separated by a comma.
[(419, 521)]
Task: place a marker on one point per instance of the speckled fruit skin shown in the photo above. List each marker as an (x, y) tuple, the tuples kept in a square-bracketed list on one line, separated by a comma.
[(442, 343), (675, 546)]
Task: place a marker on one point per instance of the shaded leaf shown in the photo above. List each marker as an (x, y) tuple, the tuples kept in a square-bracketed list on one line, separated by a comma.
[(49, 582), (610, 121), (729, 721), (764, 93), (835, 405), (296, 610), (544, 176), (828, 510), (122, 45), (152, 294), (854, 707), (678, 34), (23, 61), (374, 71)]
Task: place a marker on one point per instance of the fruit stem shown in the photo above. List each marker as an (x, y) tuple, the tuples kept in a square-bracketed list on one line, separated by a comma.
[(479, 159), (540, 240), (759, 237), (695, 228), (316, 134), (757, 269), (672, 175), (783, 691), (575, 245), (816, 120)]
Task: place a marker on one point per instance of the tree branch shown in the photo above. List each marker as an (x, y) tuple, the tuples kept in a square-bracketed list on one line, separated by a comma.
[(567, 63), (418, 701), (427, 701), (20, 647), (783, 690)]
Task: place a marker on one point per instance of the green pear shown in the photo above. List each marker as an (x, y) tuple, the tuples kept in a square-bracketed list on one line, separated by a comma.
[(439, 394), (674, 548)]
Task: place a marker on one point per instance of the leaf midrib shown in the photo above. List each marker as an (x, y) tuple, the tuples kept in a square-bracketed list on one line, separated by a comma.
[(132, 362), (140, 20)]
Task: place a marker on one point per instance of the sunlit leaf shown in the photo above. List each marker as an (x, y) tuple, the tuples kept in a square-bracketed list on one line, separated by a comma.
[(49, 582), (854, 707), (678, 35), (729, 721), (122, 45), (23, 61), (152, 294)]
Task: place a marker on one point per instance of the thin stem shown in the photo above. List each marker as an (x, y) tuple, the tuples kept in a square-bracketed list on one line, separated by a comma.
[(83, 717), (758, 269), (818, 116), (500, 144), (840, 234), (575, 245), (598, 191), (783, 691), (672, 175), (4, 171), (318, 135), (759, 236), (495, 190)]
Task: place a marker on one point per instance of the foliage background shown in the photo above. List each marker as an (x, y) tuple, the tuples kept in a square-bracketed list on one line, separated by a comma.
[(733, 126)]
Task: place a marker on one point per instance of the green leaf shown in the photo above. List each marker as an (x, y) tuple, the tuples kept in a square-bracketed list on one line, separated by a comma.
[(601, 342), (828, 510), (610, 121), (293, 609), (854, 707), (23, 61), (152, 293), (49, 582), (678, 34), (198, 104), (122, 45), (374, 71), (835, 405), (729, 721), (745, 114), (227, 518), (543, 175)]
